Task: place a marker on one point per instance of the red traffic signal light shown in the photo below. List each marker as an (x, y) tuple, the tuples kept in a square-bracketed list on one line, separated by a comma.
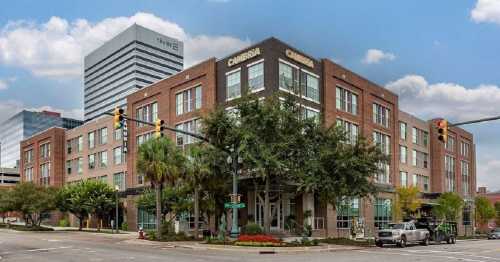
[(442, 126)]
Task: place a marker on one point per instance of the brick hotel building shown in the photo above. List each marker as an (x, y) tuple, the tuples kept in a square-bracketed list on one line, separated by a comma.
[(326, 89)]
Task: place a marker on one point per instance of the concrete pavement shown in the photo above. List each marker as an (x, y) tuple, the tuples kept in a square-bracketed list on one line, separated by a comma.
[(83, 246)]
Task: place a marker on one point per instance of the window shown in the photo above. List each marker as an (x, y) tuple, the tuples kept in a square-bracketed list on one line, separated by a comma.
[(383, 142), (346, 101), (45, 174), (404, 178), (103, 179), (117, 134), (402, 130), (465, 178), (188, 100), (69, 165), (145, 220), (381, 115), (92, 161), (140, 179), (286, 77), (103, 135), (256, 76), (464, 149), (403, 154), (420, 159), (69, 146), (117, 155), (351, 129), (310, 113), (383, 214), (310, 86), (80, 144), (420, 137), (233, 85), (347, 210), (450, 144), (28, 156), (148, 113), (80, 165), (449, 169), (425, 181), (103, 158), (45, 150), (91, 139), (467, 215), (28, 174), (119, 180), (414, 181), (384, 175), (143, 138), (190, 126)]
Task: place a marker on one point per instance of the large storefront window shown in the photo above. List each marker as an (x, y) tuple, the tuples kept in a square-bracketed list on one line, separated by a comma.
[(347, 211), (383, 214), (145, 220), (467, 215)]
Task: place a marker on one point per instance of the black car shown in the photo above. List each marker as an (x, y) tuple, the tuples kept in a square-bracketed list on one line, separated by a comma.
[(494, 234)]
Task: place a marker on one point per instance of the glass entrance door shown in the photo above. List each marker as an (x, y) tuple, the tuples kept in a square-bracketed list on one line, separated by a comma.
[(276, 210)]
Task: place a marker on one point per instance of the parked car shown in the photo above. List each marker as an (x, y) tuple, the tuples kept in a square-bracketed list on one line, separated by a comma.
[(494, 234), (440, 230), (402, 234)]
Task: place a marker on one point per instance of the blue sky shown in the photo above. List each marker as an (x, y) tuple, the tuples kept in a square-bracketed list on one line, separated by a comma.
[(441, 57)]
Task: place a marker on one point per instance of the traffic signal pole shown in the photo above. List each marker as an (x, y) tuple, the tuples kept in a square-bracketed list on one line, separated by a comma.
[(232, 153), (475, 121)]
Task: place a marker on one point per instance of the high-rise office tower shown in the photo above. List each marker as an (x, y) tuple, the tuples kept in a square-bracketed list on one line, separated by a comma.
[(135, 58), (23, 125)]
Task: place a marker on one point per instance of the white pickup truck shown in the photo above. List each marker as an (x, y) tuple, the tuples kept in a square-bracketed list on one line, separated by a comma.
[(401, 234)]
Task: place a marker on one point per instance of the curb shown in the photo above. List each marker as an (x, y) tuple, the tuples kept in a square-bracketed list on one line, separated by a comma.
[(253, 250)]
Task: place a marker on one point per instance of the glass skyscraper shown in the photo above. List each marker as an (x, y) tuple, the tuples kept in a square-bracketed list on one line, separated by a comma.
[(23, 125), (135, 58)]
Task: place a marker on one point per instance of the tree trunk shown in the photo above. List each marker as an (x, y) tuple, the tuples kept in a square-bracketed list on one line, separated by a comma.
[(80, 226), (158, 211), (267, 222), (196, 211)]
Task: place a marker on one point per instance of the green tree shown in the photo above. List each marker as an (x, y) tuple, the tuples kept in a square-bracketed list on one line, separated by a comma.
[(33, 202), (449, 206), (101, 199), (5, 203), (174, 200), (497, 209), (484, 210), (161, 162), (260, 135), (198, 171), (74, 198), (407, 202)]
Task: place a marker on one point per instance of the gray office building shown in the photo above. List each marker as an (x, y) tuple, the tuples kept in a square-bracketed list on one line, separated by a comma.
[(135, 58), (23, 125)]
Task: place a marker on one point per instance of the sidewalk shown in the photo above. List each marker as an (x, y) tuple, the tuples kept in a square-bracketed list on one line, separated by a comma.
[(200, 246)]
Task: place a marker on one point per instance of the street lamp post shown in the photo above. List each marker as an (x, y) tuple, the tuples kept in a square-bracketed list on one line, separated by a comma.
[(117, 188), (234, 160)]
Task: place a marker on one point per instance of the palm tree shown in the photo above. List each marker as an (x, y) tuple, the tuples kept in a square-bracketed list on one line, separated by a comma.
[(197, 171), (161, 162)]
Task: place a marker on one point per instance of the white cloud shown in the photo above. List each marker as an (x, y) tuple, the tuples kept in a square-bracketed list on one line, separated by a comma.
[(8, 108), (375, 56), (56, 48), (486, 11), (449, 100)]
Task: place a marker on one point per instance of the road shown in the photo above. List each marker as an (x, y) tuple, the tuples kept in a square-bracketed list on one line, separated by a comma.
[(75, 246)]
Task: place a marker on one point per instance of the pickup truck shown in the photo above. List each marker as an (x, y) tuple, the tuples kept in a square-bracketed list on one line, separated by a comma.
[(401, 234)]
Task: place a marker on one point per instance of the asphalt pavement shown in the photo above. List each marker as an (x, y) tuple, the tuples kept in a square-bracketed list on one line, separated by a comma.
[(85, 246)]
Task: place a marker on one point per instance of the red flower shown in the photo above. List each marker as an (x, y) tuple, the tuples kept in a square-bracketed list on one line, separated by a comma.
[(258, 238)]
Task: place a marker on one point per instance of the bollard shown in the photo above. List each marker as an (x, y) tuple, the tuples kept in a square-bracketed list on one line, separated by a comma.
[(141, 233)]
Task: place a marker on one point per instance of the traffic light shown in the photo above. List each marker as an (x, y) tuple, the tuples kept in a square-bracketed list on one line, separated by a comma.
[(442, 126), (159, 128), (118, 118)]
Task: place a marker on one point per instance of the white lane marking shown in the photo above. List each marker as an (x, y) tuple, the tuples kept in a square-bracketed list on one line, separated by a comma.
[(469, 254), (421, 255), (46, 249)]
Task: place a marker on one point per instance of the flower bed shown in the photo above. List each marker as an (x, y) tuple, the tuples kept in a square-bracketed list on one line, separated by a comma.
[(258, 240)]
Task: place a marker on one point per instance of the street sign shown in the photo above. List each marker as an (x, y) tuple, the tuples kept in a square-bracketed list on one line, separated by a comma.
[(234, 205)]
